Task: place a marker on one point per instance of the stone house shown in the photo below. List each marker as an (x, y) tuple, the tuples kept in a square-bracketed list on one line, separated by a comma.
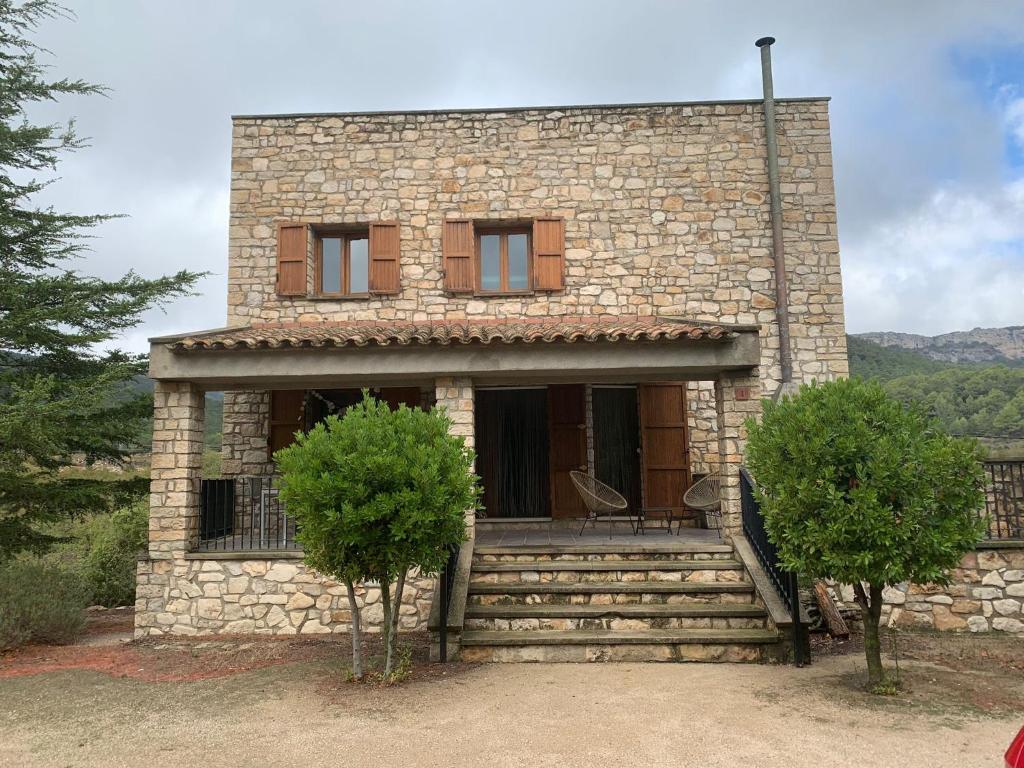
[(581, 287)]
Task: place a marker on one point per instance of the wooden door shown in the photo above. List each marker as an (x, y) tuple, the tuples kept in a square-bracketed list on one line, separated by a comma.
[(567, 438), (665, 450), (396, 396)]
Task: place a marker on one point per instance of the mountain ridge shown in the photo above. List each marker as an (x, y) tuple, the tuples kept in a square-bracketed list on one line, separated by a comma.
[(979, 345)]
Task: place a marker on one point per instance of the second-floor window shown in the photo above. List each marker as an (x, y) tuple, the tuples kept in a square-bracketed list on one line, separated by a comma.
[(343, 263), (503, 259)]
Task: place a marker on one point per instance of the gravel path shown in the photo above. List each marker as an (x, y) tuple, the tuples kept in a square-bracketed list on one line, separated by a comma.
[(494, 715)]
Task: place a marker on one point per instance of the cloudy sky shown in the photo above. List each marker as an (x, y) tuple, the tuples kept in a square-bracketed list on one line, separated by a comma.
[(927, 117)]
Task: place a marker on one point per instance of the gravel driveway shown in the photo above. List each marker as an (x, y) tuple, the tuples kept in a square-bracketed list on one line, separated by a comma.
[(495, 715)]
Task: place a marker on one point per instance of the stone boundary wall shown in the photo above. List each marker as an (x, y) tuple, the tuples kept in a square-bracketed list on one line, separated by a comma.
[(260, 596), (986, 594)]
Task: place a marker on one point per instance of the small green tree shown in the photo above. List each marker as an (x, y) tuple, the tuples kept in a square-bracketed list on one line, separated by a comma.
[(858, 488), (375, 494)]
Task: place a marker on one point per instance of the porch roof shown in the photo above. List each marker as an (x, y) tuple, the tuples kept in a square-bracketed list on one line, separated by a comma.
[(585, 348), (490, 331)]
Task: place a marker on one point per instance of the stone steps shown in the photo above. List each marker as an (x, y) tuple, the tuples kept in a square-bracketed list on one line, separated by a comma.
[(525, 618), (654, 601), (607, 565), (589, 552), (612, 593), (733, 645), (590, 571)]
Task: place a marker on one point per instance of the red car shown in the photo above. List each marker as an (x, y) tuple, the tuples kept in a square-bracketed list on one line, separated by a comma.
[(1015, 754)]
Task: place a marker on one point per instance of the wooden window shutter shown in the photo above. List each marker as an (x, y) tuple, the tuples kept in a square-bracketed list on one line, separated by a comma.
[(458, 247), (292, 250), (286, 417), (385, 266), (548, 254)]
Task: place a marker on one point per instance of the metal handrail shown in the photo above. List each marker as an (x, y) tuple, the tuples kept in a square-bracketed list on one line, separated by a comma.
[(786, 582)]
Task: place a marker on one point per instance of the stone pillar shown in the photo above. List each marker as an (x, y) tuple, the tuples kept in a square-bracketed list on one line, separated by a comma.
[(455, 394), (176, 468), (737, 398)]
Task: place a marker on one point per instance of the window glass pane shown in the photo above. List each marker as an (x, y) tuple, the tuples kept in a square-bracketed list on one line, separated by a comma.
[(330, 276), (359, 265), (490, 262), (517, 278)]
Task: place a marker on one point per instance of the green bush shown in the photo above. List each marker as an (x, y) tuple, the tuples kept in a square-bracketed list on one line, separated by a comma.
[(111, 545), (377, 493), (856, 487), (39, 603)]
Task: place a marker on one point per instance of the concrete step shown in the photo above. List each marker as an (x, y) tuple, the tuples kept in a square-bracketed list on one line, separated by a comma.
[(573, 571), (523, 618), (557, 552), (608, 565), (612, 593), (603, 645)]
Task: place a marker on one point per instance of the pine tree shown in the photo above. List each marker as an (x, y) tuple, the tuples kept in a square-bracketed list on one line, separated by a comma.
[(60, 396)]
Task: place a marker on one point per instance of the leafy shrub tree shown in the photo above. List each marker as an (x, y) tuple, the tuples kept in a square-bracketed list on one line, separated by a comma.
[(375, 494), (39, 603), (112, 544), (858, 488)]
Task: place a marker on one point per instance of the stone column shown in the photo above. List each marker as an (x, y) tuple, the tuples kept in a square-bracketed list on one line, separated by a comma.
[(737, 398), (176, 468), (455, 394)]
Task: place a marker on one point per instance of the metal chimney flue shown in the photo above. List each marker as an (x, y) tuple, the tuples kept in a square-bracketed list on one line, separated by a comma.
[(775, 201)]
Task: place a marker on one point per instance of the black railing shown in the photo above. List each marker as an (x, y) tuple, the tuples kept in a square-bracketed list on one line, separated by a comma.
[(243, 514), (1004, 500), (785, 582), (446, 583)]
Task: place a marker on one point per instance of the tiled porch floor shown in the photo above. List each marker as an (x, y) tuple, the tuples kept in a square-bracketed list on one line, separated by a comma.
[(655, 538)]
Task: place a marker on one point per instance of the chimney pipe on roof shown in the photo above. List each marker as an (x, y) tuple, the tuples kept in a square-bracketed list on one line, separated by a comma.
[(778, 247)]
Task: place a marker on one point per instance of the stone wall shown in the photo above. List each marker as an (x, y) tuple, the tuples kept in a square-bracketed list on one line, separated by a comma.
[(986, 594), (665, 209), (665, 206), (260, 596)]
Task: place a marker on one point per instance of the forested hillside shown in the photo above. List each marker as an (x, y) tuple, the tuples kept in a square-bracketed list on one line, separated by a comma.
[(967, 398)]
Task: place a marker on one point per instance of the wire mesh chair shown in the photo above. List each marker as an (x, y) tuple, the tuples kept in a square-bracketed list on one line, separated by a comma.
[(704, 497), (599, 499)]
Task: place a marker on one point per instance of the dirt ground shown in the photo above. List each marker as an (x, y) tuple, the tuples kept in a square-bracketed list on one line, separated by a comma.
[(234, 703)]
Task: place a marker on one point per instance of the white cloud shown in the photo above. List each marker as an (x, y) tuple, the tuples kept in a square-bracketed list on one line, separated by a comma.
[(954, 263), (1015, 120), (911, 139)]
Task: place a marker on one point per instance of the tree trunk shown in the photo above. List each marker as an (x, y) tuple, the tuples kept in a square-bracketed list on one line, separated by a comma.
[(385, 598), (871, 612), (392, 620), (357, 633)]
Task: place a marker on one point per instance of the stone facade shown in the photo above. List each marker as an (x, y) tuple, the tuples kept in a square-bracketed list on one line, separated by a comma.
[(666, 213), (986, 594), (737, 398), (260, 596), (665, 208)]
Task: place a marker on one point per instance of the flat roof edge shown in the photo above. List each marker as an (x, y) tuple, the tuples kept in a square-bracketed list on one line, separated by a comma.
[(541, 108)]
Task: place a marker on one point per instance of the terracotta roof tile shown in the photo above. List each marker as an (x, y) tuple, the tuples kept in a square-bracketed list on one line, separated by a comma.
[(483, 331)]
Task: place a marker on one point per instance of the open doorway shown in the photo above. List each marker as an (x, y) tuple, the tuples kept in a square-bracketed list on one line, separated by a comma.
[(512, 451)]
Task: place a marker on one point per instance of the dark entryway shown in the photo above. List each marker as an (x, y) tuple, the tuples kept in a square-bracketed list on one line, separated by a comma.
[(512, 451), (617, 440)]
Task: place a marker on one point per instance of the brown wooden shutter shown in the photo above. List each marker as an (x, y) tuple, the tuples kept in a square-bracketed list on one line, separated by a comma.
[(458, 248), (548, 254), (292, 249), (567, 447), (286, 417), (665, 448), (385, 266)]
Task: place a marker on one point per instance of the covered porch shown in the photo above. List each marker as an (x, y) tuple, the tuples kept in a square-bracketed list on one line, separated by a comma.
[(614, 404)]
